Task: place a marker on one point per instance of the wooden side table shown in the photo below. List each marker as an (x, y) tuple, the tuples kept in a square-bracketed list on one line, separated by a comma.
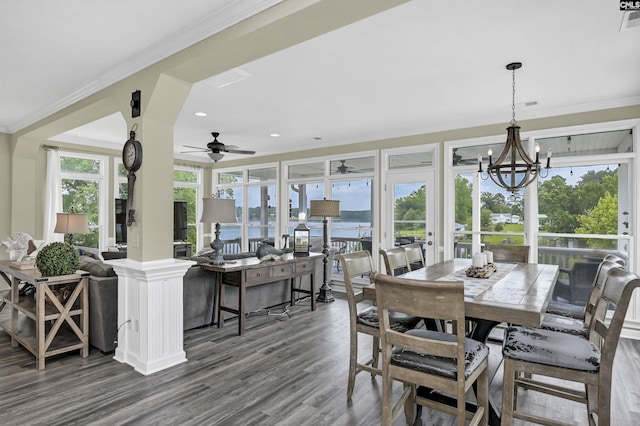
[(36, 323)]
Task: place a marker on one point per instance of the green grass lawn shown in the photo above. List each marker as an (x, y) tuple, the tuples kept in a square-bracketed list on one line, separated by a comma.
[(505, 239)]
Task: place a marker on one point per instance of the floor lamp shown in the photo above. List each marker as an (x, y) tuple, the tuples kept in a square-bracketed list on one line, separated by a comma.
[(325, 208), (218, 210), (71, 223)]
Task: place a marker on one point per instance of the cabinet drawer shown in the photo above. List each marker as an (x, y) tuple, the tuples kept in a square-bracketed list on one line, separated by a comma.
[(283, 270), (307, 265), (258, 274)]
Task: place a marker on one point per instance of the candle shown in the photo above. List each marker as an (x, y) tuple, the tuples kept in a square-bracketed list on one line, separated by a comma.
[(537, 154), (478, 260), (489, 255), (484, 259)]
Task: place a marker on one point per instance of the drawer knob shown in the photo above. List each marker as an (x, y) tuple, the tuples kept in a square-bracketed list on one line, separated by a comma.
[(281, 269), (258, 274)]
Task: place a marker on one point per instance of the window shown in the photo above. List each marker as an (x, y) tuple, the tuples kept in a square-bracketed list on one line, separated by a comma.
[(577, 213), (187, 187), (346, 179), (254, 190), (84, 190)]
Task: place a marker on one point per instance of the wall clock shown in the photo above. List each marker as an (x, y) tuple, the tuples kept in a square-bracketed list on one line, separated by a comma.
[(132, 160)]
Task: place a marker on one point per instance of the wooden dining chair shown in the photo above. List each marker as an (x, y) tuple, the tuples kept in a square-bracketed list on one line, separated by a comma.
[(354, 265), (448, 363), (550, 354), (508, 253), (567, 309), (415, 256), (395, 261), (580, 326)]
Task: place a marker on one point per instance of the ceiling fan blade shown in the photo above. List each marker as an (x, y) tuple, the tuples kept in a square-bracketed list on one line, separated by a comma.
[(239, 151), (200, 150), (196, 147)]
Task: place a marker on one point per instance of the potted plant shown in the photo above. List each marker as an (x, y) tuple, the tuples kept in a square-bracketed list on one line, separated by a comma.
[(57, 259)]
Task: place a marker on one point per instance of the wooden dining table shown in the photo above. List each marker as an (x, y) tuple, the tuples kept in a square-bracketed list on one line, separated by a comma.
[(516, 293)]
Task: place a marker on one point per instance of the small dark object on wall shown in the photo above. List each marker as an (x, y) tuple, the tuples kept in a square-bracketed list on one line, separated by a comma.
[(135, 104)]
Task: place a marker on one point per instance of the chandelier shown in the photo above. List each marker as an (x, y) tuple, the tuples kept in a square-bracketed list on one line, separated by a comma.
[(514, 169)]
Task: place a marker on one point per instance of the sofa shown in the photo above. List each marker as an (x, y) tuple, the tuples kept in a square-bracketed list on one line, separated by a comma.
[(198, 299)]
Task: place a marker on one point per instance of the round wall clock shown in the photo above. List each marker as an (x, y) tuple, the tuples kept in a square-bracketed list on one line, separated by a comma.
[(132, 155)]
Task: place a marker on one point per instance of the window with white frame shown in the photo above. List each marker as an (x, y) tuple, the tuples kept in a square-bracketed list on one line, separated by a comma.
[(346, 179), (84, 190), (254, 190), (577, 213), (187, 188)]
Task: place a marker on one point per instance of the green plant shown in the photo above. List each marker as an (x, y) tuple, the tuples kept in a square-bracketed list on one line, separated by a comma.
[(57, 259)]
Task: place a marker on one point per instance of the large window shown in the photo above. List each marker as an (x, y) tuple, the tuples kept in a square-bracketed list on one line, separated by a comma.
[(187, 188), (84, 190), (255, 193), (346, 179), (577, 213)]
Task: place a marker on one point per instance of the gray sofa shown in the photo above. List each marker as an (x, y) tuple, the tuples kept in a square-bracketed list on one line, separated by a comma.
[(198, 299)]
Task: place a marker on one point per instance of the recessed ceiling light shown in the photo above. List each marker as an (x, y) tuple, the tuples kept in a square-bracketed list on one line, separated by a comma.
[(200, 114), (275, 135)]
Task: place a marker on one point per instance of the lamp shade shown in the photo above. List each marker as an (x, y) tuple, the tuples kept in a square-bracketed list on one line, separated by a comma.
[(326, 208), (71, 223), (218, 210)]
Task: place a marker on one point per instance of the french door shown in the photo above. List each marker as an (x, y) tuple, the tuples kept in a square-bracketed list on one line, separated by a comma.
[(409, 201)]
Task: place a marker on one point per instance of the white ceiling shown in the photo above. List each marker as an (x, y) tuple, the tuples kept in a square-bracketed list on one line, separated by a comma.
[(420, 67)]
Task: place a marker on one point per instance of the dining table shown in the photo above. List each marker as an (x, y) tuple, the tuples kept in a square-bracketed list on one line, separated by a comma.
[(514, 293)]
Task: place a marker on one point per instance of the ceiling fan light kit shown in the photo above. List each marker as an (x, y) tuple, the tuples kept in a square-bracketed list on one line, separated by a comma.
[(514, 169)]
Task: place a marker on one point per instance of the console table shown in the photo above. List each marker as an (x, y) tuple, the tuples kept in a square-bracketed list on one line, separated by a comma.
[(249, 272), (36, 324)]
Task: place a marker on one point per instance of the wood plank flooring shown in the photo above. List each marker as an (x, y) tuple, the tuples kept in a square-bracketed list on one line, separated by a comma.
[(283, 371)]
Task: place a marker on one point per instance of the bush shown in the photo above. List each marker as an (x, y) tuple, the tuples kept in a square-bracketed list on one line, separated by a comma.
[(57, 259)]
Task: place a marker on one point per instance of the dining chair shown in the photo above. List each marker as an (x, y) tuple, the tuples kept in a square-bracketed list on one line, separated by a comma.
[(446, 362), (549, 354), (567, 309), (360, 264), (580, 326), (508, 253), (395, 261), (414, 255)]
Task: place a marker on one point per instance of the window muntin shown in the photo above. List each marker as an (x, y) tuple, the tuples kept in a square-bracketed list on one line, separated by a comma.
[(410, 160)]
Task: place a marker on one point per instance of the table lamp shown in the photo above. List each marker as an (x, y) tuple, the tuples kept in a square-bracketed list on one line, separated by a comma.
[(218, 210), (325, 208), (71, 223)]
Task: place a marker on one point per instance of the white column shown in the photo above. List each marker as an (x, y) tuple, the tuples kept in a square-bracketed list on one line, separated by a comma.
[(150, 313)]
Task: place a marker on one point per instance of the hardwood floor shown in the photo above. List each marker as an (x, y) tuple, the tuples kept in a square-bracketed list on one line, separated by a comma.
[(283, 371)]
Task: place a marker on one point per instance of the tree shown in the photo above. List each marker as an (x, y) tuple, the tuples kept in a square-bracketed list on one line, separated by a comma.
[(602, 219), (464, 201), (494, 202)]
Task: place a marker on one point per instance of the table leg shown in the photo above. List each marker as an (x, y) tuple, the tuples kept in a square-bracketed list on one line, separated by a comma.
[(312, 281), (220, 300), (242, 294)]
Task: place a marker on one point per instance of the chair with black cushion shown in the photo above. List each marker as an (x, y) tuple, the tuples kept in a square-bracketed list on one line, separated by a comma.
[(355, 265), (395, 261), (566, 309), (414, 255), (576, 287), (449, 363), (580, 326), (508, 253), (549, 354)]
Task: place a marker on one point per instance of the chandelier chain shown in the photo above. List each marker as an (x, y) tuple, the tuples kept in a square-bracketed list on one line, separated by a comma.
[(513, 98)]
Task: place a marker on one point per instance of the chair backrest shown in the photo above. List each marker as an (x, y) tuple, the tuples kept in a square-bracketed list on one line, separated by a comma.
[(617, 291), (598, 283), (395, 261), (354, 265), (443, 300), (414, 255), (508, 253)]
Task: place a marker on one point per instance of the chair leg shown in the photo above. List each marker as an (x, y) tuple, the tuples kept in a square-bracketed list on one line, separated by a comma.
[(353, 359), (508, 390), (387, 402), (410, 404), (375, 356), (482, 396)]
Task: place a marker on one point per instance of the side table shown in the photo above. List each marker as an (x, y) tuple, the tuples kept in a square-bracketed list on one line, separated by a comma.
[(36, 323)]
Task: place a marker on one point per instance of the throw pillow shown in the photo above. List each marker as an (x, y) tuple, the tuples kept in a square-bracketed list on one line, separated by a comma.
[(96, 267)]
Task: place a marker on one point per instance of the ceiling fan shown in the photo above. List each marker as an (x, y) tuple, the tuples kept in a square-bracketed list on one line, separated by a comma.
[(216, 149), (458, 160), (344, 169)]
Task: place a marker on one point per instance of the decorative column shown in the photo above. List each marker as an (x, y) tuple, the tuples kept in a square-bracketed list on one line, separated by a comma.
[(150, 313)]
